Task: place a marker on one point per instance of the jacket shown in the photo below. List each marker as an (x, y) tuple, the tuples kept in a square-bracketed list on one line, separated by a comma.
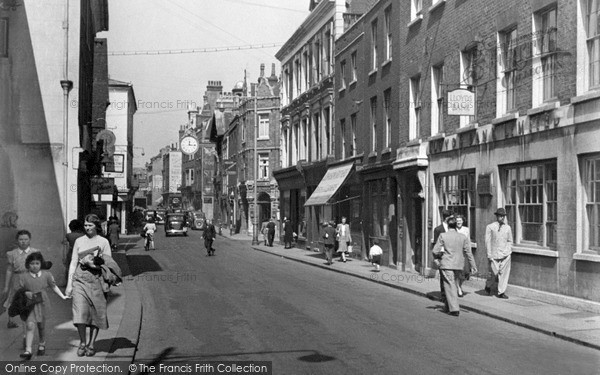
[(456, 246), (209, 232), (20, 305), (346, 237), (329, 236), (111, 273)]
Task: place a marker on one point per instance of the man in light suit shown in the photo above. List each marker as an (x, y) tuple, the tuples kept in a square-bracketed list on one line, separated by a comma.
[(442, 228), (451, 249)]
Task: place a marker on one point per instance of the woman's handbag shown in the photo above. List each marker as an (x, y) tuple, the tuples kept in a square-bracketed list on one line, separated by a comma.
[(349, 248)]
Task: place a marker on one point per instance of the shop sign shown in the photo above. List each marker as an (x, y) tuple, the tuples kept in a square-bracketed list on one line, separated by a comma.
[(102, 185), (461, 102)]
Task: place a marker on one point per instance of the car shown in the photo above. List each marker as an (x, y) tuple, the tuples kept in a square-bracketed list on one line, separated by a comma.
[(198, 219), (149, 214), (175, 224), (160, 217)]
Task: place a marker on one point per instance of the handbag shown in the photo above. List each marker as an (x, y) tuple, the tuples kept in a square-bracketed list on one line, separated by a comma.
[(350, 248)]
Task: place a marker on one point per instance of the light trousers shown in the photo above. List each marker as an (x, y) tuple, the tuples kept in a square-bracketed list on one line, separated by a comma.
[(500, 273), (450, 291)]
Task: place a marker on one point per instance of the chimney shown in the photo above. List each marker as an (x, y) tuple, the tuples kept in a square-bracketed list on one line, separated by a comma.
[(262, 70), (273, 71)]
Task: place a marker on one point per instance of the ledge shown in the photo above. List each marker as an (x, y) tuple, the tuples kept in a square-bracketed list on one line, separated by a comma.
[(505, 118), (417, 19), (341, 90), (372, 154), (436, 137), (386, 151), (436, 5), (465, 129), (535, 251), (586, 97), (386, 62), (587, 257), (372, 72), (543, 108), (352, 83), (414, 142)]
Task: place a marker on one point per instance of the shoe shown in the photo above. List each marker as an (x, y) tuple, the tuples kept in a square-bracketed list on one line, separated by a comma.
[(25, 355), (81, 350), (41, 349), (12, 324), (502, 296), (90, 352), (454, 313), (488, 290)]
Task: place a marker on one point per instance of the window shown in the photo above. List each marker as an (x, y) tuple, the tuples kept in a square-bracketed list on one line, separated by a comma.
[(263, 166), (437, 99), (548, 52), (388, 34), (343, 74), (591, 176), (243, 130), (327, 119), (374, 45), (468, 69), (530, 192), (354, 67), (416, 9), (415, 106), (353, 129), (374, 124), (327, 47), (3, 37), (304, 139), (295, 144), (317, 59), (456, 192), (387, 140), (315, 144), (593, 42), (343, 134), (263, 126), (298, 77), (508, 66), (305, 71)]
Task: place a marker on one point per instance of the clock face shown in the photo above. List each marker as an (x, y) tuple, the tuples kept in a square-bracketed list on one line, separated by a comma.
[(189, 145)]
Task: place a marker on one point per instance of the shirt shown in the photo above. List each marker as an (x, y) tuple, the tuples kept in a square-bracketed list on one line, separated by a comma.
[(375, 250), (498, 240), (34, 275)]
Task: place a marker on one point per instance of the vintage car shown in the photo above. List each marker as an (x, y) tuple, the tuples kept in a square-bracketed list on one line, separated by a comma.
[(198, 219), (175, 223)]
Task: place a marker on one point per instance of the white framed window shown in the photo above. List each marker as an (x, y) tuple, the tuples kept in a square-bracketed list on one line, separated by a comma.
[(544, 61), (3, 37), (263, 126), (468, 78), (507, 69), (295, 144), (298, 77), (305, 71), (328, 147), (328, 52), (343, 74), (530, 193), (315, 137), (373, 121), (387, 118), (591, 181), (343, 135), (353, 129), (388, 33), (354, 66), (304, 139), (317, 60), (243, 130), (416, 9), (437, 99), (374, 57), (414, 118), (456, 192), (263, 166), (592, 28)]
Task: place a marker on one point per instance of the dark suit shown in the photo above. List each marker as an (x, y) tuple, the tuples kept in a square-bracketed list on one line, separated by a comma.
[(210, 233), (270, 232), (329, 242)]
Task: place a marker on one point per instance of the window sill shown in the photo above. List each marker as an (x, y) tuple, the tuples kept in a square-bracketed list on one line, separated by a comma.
[(505, 118), (342, 90), (372, 154), (535, 251), (587, 257), (591, 95), (416, 20), (466, 128), (413, 142), (386, 151), (436, 5), (386, 63), (543, 108), (352, 83), (437, 136), (372, 72), (263, 138)]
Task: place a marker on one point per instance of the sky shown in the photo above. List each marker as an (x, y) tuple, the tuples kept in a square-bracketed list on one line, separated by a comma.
[(166, 85)]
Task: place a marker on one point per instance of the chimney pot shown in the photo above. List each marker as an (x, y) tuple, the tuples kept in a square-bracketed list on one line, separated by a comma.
[(262, 70)]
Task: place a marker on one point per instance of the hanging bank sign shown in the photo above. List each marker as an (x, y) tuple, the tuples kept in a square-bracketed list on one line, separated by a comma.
[(461, 102)]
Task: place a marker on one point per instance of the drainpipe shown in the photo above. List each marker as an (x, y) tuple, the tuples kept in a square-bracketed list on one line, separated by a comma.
[(66, 85)]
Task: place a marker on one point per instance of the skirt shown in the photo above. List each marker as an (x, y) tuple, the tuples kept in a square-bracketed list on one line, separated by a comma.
[(89, 300), (343, 246)]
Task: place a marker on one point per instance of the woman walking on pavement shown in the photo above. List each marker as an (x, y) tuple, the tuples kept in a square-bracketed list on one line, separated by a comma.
[(343, 238), (85, 285), (113, 233), (466, 274), (288, 233)]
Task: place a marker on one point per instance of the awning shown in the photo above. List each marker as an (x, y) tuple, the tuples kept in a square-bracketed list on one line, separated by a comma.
[(329, 185), (159, 200)]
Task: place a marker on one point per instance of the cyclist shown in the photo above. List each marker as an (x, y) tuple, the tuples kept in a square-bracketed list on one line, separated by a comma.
[(149, 228)]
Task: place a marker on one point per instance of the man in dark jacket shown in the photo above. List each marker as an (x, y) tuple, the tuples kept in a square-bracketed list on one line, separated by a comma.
[(209, 235), (271, 232), (329, 241)]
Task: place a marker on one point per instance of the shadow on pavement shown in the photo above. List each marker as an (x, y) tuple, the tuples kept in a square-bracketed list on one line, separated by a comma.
[(138, 264), (313, 356), (112, 345)]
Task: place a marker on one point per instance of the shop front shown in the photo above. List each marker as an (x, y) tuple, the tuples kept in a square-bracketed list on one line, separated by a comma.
[(292, 195)]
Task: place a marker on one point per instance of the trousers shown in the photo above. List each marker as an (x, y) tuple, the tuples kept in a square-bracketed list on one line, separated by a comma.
[(500, 273), (450, 291)]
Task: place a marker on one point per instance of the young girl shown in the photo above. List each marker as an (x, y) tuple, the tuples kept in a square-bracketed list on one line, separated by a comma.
[(36, 281)]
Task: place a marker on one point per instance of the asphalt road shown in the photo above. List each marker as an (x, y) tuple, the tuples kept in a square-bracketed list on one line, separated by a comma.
[(247, 305)]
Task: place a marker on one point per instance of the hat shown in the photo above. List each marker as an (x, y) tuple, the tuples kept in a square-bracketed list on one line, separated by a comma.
[(500, 212)]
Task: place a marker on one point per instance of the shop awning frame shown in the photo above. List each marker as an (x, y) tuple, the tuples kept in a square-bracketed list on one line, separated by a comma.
[(334, 178)]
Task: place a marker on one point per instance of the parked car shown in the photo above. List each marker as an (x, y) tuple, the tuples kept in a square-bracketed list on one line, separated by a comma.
[(198, 220), (175, 224), (160, 217)]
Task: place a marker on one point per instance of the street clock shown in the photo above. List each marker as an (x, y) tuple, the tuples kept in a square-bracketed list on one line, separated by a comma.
[(189, 145)]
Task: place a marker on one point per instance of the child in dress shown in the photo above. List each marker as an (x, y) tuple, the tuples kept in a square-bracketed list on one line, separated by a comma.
[(35, 282), (375, 253)]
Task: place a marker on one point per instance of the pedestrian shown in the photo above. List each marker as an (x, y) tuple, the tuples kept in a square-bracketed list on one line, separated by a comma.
[(498, 243), (149, 230), (442, 228), (271, 232), (113, 233), (85, 285), (209, 235), (451, 249), (343, 238), (288, 233), (35, 283), (265, 232), (375, 253), (466, 274), (16, 265), (329, 240), (103, 224)]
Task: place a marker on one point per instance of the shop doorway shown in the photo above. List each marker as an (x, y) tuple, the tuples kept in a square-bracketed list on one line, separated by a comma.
[(264, 207)]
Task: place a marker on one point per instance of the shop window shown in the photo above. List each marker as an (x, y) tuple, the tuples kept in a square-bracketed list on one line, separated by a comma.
[(591, 182), (456, 192), (530, 193)]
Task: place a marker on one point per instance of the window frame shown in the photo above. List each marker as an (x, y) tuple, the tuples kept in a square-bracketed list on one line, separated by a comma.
[(437, 89), (388, 33), (462, 186), (353, 129), (4, 25), (373, 122), (414, 122), (387, 97), (354, 66), (374, 56), (589, 246), (468, 78), (343, 75), (507, 63), (592, 42), (263, 166), (263, 126)]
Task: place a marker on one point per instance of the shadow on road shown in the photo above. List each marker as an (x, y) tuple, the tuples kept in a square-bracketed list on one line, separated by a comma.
[(314, 356), (139, 264)]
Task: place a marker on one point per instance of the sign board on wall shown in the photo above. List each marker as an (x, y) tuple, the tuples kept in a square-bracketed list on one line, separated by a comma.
[(116, 164), (102, 185), (175, 161), (461, 102)]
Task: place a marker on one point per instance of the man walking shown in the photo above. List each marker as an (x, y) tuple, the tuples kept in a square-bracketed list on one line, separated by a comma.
[(451, 249), (442, 228), (329, 241), (498, 243), (271, 232), (209, 235)]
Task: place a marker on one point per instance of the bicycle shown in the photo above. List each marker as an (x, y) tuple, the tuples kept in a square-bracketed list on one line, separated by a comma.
[(149, 242)]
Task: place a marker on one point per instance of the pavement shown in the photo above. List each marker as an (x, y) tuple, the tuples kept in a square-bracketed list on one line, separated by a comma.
[(117, 343), (571, 319)]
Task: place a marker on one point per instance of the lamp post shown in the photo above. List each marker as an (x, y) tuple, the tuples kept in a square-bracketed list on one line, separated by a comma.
[(255, 220)]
